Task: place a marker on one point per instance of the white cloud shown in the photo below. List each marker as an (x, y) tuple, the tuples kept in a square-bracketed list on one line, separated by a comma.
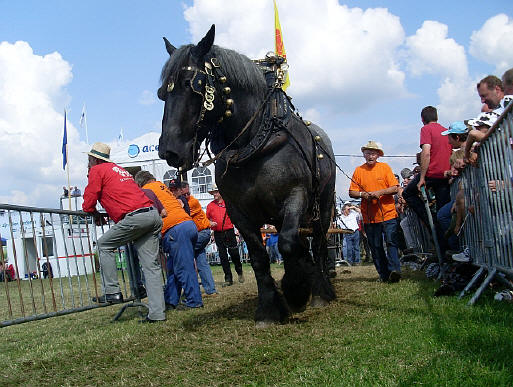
[(458, 100), (492, 43), (147, 98), (430, 51), (335, 53), (32, 97)]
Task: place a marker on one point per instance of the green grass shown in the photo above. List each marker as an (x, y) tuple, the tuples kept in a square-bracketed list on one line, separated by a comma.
[(373, 334)]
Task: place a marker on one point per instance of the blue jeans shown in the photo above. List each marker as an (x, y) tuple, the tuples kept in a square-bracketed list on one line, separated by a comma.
[(444, 217), (178, 242), (274, 253), (207, 280), (352, 247), (384, 264)]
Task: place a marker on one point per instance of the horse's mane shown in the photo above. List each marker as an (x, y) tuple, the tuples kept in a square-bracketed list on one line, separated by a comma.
[(240, 71)]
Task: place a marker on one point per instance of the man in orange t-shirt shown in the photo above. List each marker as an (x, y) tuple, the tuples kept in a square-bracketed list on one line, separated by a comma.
[(376, 185), (179, 235)]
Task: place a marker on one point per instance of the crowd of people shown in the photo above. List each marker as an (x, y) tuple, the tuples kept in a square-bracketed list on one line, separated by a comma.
[(445, 152), (152, 215)]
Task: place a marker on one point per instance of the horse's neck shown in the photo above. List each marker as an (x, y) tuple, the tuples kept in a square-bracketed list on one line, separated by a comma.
[(249, 110)]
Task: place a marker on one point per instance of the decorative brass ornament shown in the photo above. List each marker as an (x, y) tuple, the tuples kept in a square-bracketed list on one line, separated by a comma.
[(317, 138), (222, 79), (220, 120), (308, 123), (227, 90), (210, 89), (320, 156), (228, 113), (208, 105), (209, 97), (170, 87), (229, 102)]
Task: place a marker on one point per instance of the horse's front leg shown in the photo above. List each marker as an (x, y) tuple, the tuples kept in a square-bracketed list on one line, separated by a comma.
[(271, 306), (297, 280)]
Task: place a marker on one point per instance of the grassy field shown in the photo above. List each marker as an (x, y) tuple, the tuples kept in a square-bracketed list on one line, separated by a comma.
[(373, 334)]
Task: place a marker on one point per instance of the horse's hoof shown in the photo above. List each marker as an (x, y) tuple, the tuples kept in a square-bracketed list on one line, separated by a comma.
[(299, 309), (265, 324), (318, 302)]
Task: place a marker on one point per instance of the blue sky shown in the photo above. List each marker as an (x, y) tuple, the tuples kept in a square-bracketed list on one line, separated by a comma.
[(362, 69)]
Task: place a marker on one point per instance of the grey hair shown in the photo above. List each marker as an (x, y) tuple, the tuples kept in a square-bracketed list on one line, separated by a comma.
[(143, 177)]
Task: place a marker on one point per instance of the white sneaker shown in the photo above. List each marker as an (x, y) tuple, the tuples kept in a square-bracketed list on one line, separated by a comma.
[(464, 256)]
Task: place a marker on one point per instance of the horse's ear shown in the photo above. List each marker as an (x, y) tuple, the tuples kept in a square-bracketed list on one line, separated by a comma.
[(169, 47), (201, 49)]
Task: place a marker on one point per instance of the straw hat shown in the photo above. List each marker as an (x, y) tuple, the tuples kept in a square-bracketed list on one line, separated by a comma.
[(100, 151), (213, 189), (372, 145)]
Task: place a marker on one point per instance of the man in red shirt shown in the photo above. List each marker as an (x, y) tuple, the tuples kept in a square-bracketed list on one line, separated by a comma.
[(136, 221), (224, 236), (434, 161)]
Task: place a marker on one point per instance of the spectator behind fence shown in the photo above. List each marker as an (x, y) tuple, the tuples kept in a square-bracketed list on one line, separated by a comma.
[(179, 235), (480, 126), (135, 221), (376, 185), (76, 192), (507, 82), (435, 155), (224, 236), (348, 220), (491, 92), (457, 136), (203, 225)]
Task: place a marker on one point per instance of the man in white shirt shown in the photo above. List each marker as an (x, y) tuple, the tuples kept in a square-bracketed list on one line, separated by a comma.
[(349, 220)]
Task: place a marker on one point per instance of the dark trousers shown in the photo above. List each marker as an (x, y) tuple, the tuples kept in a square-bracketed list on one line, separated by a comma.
[(226, 243), (442, 196), (384, 263)]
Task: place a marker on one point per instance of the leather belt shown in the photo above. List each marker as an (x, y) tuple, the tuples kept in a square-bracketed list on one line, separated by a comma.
[(140, 211)]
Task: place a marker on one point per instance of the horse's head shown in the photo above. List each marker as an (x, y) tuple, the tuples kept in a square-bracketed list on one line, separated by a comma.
[(185, 92)]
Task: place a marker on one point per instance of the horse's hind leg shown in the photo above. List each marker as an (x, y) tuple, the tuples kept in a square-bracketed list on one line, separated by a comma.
[(297, 280), (322, 289)]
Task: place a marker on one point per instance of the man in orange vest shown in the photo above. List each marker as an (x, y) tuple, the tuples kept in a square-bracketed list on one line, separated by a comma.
[(179, 235)]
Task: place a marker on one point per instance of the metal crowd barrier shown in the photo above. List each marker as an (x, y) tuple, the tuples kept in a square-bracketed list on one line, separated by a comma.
[(49, 264), (488, 227)]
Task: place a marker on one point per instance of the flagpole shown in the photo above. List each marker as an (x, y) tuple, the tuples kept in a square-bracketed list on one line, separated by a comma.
[(84, 120), (66, 165)]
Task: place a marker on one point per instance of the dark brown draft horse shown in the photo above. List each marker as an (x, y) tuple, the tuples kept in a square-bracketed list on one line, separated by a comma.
[(271, 166)]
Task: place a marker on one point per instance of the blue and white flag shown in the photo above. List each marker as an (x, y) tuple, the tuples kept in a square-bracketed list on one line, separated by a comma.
[(64, 143), (83, 116)]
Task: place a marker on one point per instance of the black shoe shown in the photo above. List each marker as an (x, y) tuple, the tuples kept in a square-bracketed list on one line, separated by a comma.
[(183, 307), (142, 292), (395, 276), (148, 320), (116, 298), (170, 306)]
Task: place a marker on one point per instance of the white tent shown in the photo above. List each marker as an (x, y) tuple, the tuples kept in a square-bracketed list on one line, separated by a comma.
[(142, 154)]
